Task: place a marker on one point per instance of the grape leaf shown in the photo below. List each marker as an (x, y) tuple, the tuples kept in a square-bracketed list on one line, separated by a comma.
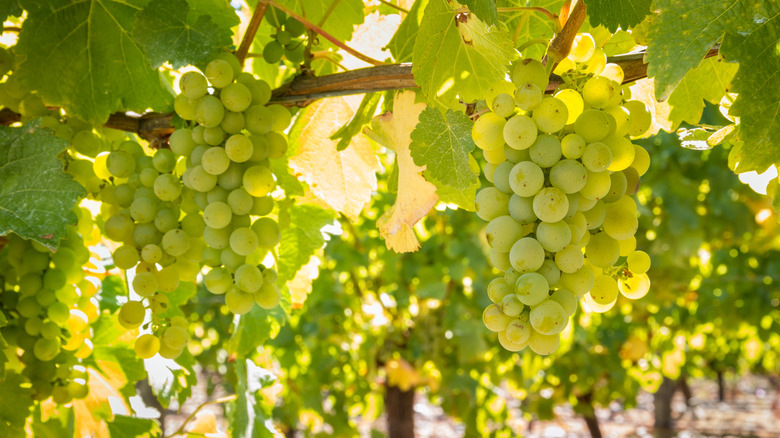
[(361, 117), (484, 9), (458, 56), (682, 34), (132, 427), (416, 196), (15, 402), (758, 101), (462, 198), (527, 25), (709, 81), (220, 11), (343, 180), (442, 143), (340, 15), (93, 411), (248, 418), (168, 30), (254, 329), (301, 238), (9, 8), (285, 179), (36, 196), (402, 43), (83, 57), (617, 13)]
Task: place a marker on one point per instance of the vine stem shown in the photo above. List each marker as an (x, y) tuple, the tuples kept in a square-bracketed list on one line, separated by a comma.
[(561, 43), (12, 29), (326, 35), (224, 399), (251, 30)]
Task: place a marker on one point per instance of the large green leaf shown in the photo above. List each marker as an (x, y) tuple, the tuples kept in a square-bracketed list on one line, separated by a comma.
[(168, 30), (15, 402), (484, 9), (527, 25), (82, 55), (458, 56), (617, 13), (36, 196), (707, 82), (301, 238), (442, 143), (254, 329), (248, 419), (132, 427), (9, 8), (756, 82), (402, 44)]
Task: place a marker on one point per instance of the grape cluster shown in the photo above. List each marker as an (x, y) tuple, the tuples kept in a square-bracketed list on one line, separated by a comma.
[(288, 42), (49, 304), (560, 210), (228, 177)]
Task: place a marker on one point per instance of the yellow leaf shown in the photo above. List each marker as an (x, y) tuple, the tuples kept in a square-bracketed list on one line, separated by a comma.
[(300, 285), (92, 412), (205, 423), (416, 196), (644, 90), (343, 180)]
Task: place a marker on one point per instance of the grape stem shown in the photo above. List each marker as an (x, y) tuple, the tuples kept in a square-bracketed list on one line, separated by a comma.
[(225, 399), (251, 30), (326, 35)]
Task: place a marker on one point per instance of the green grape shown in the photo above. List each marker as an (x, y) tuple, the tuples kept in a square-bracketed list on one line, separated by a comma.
[(627, 247), (543, 344), (553, 236), (595, 64), (168, 278), (595, 216), (511, 305), (638, 261), (231, 260), (594, 125), (87, 143), (598, 91), (33, 326), (273, 52), (548, 318), (508, 344), (243, 241), (193, 85), (46, 349), (146, 346), (532, 288), (258, 181), (617, 187), (151, 253), (231, 178), (294, 27), (145, 284), (260, 147), (267, 231), (502, 232), (239, 148), (218, 280), (217, 238), (620, 221), (248, 278), (296, 53), (503, 105), (568, 175), (550, 272), (217, 215), (268, 296), (488, 131), (232, 122), (526, 179), (262, 206), (490, 203), (597, 157), (220, 73), (494, 319), (181, 142), (236, 97), (530, 71), (498, 288), (602, 250), (281, 116), (270, 275), (144, 234), (613, 72), (185, 108), (490, 170), (597, 185), (175, 242), (515, 155), (528, 96), (120, 164), (166, 219), (131, 315), (261, 91), (174, 337), (32, 106), (641, 119), (215, 161), (566, 299), (54, 279), (166, 187), (125, 257), (622, 151), (58, 312), (277, 145), (214, 136), (240, 201), (231, 59), (622, 119), (582, 48), (500, 260), (501, 177), (209, 111), (519, 330), (143, 210), (239, 302), (635, 286), (520, 132), (605, 290), (159, 303), (579, 282), (551, 115), (259, 119), (526, 255), (545, 151), (551, 204), (641, 160), (521, 209), (164, 160), (574, 104), (199, 179), (44, 297)]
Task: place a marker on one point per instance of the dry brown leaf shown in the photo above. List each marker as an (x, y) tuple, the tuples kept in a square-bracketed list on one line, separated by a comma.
[(416, 196), (343, 180), (643, 90)]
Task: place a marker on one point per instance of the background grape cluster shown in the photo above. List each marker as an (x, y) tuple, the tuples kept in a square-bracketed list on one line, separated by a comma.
[(561, 216)]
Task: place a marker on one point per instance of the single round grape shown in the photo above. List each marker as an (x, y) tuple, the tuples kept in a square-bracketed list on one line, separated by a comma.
[(597, 185), (243, 241), (281, 116), (593, 125), (218, 280), (215, 161), (217, 215), (232, 122), (258, 181), (175, 242), (551, 115), (622, 119), (530, 70), (491, 203), (268, 296), (131, 315), (168, 277), (125, 257), (526, 255), (543, 344), (597, 157), (520, 132), (582, 48), (277, 145), (568, 175), (193, 85), (498, 289), (596, 63), (641, 119), (248, 278), (503, 105), (236, 97), (508, 344), (574, 104), (548, 317), (570, 259), (494, 319), (532, 288), (627, 246), (551, 204), (598, 91), (550, 272), (120, 164), (641, 160), (145, 284), (240, 201), (46, 349), (566, 299), (87, 143), (528, 96), (209, 111), (522, 209), (294, 27), (166, 187), (239, 148), (511, 305), (488, 131), (519, 330), (500, 260), (175, 337), (501, 177), (185, 108), (267, 231), (617, 187), (258, 119), (494, 156), (602, 250), (545, 151), (515, 155), (553, 236), (151, 253), (220, 73), (239, 302), (146, 346), (214, 136), (526, 178), (232, 178), (635, 286), (605, 290), (613, 72), (273, 52), (217, 238), (181, 142), (594, 217), (620, 221), (502, 232), (622, 152), (638, 261)]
